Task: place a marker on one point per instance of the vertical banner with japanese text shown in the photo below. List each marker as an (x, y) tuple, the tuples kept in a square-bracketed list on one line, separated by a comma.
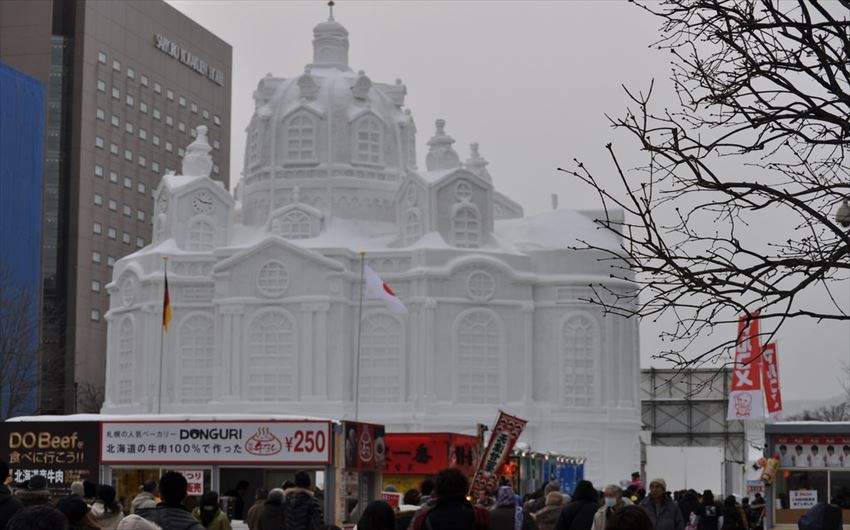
[(745, 396), (770, 379), (505, 434)]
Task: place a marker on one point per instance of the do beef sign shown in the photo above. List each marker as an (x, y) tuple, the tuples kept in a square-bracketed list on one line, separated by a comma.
[(61, 452)]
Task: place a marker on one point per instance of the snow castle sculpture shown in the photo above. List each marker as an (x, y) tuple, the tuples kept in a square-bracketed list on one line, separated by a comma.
[(264, 287)]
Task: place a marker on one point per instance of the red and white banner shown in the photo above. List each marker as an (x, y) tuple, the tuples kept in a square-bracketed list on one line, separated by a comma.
[(770, 379), (502, 440), (745, 396)]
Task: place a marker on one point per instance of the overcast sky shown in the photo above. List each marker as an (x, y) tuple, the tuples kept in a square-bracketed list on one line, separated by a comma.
[(530, 81)]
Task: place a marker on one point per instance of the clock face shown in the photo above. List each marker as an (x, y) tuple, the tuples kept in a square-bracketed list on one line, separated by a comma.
[(202, 202)]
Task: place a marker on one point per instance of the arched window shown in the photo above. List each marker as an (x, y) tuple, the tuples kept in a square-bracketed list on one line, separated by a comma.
[(196, 359), (300, 138), (412, 226), (126, 347), (201, 235), (579, 368), (479, 368), (369, 136), (466, 228), (271, 357), (296, 225), (254, 146), (381, 360)]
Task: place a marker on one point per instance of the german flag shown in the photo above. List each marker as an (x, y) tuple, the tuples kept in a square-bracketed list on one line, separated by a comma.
[(166, 306)]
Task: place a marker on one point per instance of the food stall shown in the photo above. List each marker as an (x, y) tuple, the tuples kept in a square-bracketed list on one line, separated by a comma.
[(527, 471), (362, 450), (412, 457), (813, 465)]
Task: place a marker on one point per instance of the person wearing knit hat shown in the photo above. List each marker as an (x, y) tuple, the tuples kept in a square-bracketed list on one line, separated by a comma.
[(77, 489), (76, 511), (662, 511), (36, 493)]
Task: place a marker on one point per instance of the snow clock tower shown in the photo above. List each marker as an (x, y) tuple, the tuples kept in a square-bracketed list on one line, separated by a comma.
[(265, 286)]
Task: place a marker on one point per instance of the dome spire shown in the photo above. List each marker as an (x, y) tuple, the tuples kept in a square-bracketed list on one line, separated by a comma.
[(330, 42), (441, 154)]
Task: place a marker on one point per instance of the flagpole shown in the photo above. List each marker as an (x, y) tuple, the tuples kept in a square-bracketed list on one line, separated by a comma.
[(162, 334), (359, 330)]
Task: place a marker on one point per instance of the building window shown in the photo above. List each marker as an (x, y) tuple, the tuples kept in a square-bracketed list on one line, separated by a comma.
[(95, 256), (98, 170), (116, 65), (217, 119), (100, 114), (463, 191), (131, 74), (143, 161), (196, 359), (101, 57), (143, 134), (201, 235), (143, 107), (478, 339), (95, 315), (128, 155), (273, 279), (113, 205), (130, 100), (140, 187), (369, 133), (193, 133), (101, 86), (271, 357), (128, 183), (381, 360), (128, 211), (128, 127), (140, 242), (126, 374), (169, 121), (111, 233), (155, 167), (156, 114), (97, 228), (578, 380), (481, 285), (140, 215), (168, 146), (181, 126), (116, 94), (216, 144), (113, 148), (98, 142), (113, 177), (466, 228), (125, 237), (95, 286), (194, 108), (300, 137), (157, 87), (180, 152), (98, 199), (296, 225), (110, 261), (181, 101), (144, 80), (115, 121), (169, 94), (206, 114), (155, 140)]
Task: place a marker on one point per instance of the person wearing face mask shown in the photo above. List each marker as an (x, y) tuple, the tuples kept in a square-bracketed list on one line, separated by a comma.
[(614, 502)]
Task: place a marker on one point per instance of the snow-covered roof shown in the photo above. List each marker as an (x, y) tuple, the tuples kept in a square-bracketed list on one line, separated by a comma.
[(555, 229)]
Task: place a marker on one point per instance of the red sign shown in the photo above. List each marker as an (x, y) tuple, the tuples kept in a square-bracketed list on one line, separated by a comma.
[(428, 453), (365, 448), (505, 434), (393, 498), (195, 481), (745, 397), (770, 374)]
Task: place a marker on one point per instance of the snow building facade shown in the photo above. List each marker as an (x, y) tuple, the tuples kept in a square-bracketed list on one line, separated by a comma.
[(264, 286)]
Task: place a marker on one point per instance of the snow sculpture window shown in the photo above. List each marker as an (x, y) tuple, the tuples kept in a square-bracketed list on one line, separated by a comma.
[(273, 279), (381, 360), (480, 285), (125, 361), (201, 235), (479, 358), (463, 191), (254, 147), (412, 226), (579, 365), (271, 357), (369, 135), (196, 359), (300, 138), (296, 225), (466, 228)]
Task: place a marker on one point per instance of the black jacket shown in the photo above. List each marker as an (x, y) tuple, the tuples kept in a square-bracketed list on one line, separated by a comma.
[(301, 510), (449, 514), (577, 515), (9, 505), (503, 518), (272, 516)]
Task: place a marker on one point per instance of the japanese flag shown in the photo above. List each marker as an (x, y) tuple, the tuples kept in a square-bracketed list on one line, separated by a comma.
[(377, 289)]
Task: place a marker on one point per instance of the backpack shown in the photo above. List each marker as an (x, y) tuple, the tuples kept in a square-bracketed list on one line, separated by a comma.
[(821, 516)]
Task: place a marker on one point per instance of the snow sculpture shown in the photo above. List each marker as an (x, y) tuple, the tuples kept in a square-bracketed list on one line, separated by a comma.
[(264, 291)]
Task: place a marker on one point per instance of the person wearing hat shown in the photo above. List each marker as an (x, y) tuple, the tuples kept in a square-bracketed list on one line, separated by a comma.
[(36, 492), (662, 510), (77, 512)]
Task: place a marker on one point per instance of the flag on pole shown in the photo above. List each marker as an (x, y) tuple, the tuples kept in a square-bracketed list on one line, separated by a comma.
[(166, 306), (745, 396), (377, 289), (504, 435), (770, 380)]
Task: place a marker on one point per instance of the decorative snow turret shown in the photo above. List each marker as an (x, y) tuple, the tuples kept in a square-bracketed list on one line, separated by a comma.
[(441, 154), (198, 162), (330, 44), (476, 164)]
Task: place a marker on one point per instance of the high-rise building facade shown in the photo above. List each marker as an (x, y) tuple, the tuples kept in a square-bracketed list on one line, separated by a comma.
[(127, 81)]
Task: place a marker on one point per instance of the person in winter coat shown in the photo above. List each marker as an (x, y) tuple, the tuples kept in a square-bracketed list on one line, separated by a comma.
[(709, 512), (690, 506), (105, 511), (540, 503), (662, 510), (209, 513), (547, 517), (578, 514), (77, 512), (36, 492), (732, 519), (170, 514), (508, 514), (451, 511), (629, 518), (255, 512), (272, 516), (146, 499), (136, 522), (9, 505), (301, 510), (37, 518), (614, 502), (378, 515)]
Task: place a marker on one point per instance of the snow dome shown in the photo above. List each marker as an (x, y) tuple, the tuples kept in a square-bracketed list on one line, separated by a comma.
[(264, 287)]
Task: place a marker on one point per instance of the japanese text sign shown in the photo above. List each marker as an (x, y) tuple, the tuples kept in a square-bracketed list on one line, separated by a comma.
[(505, 434), (770, 374), (745, 397), (243, 442), (428, 453), (365, 449), (195, 481), (802, 499)]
